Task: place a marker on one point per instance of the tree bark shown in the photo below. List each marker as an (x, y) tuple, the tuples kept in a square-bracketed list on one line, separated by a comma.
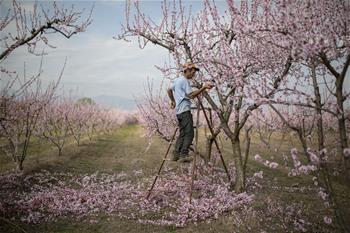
[(303, 143), (341, 124), (19, 165), (209, 146), (246, 152), (237, 156), (320, 134), (339, 81), (59, 151)]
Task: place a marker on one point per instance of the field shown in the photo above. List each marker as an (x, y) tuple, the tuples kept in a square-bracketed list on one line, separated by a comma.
[(280, 203)]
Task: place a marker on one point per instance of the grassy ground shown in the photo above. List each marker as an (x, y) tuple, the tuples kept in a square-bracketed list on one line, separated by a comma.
[(124, 150)]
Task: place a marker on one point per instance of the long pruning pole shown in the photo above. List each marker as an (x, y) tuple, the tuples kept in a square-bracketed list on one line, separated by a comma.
[(195, 154), (215, 141), (161, 166)]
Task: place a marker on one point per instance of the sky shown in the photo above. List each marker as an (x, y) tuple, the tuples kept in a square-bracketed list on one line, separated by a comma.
[(109, 71), (98, 66)]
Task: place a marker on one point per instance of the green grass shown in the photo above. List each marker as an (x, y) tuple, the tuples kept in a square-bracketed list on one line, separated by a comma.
[(124, 150)]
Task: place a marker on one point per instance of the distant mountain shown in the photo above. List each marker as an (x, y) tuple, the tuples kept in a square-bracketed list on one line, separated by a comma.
[(115, 101)]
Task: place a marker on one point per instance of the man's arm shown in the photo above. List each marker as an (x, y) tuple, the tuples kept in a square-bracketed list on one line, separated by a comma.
[(171, 96), (195, 93)]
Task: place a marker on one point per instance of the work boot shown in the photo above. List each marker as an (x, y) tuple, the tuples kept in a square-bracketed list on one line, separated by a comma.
[(185, 158)]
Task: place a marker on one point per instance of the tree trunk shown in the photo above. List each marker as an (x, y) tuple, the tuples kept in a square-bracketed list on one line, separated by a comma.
[(320, 135), (78, 141), (339, 81), (209, 146), (19, 163), (237, 156), (303, 143), (341, 125), (59, 151), (246, 152), (339, 216)]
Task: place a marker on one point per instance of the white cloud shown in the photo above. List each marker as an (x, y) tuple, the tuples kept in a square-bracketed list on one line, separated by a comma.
[(97, 64)]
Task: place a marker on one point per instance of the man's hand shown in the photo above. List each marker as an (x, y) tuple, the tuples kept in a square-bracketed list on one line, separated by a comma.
[(208, 85), (172, 104)]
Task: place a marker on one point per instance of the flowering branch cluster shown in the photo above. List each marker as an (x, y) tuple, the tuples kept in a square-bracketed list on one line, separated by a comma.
[(24, 102), (32, 27)]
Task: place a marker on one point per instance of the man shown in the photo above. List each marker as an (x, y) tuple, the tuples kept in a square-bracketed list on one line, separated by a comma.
[(180, 94)]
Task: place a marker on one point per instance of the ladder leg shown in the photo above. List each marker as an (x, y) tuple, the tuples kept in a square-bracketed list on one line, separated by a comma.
[(216, 142), (193, 176), (161, 165)]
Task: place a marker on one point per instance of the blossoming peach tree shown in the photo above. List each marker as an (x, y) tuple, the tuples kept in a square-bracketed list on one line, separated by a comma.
[(22, 100), (244, 78), (262, 53)]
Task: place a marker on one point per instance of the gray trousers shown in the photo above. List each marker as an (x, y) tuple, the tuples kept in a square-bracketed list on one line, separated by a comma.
[(184, 140)]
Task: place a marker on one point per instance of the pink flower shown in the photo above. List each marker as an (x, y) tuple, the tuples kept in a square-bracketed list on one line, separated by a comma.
[(80, 196), (347, 152), (294, 151), (327, 220), (257, 157), (313, 157), (273, 165), (259, 174), (92, 221), (322, 194), (323, 152)]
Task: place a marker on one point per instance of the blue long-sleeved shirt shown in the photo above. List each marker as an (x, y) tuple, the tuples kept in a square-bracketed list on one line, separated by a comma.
[(181, 89)]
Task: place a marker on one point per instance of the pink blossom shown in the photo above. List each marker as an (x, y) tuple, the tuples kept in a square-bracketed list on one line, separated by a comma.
[(273, 165), (259, 174), (323, 195), (323, 152), (347, 152), (257, 157), (313, 157), (78, 196), (327, 220)]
